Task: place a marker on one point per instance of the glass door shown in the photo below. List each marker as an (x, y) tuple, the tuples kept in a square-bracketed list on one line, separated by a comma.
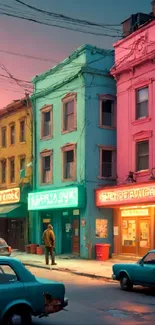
[(144, 229), (129, 235)]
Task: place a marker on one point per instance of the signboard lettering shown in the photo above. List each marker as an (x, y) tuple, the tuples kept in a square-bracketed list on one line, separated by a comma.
[(10, 196), (125, 196), (135, 213), (53, 199)]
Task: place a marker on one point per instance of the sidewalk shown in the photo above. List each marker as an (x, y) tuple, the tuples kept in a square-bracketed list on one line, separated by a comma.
[(89, 268)]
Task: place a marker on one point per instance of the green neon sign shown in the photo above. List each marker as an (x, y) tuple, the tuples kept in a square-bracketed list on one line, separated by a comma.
[(54, 199)]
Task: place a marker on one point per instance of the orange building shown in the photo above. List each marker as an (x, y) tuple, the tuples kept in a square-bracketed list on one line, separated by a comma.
[(15, 171)]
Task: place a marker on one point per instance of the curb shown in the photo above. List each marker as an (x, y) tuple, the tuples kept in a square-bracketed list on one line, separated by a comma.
[(88, 275)]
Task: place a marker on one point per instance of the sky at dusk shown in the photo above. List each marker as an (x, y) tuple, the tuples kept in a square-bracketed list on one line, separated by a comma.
[(52, 43)]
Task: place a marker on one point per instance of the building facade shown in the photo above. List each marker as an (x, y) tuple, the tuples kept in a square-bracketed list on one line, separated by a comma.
[(133, 199), (15, 178), (74, 108)]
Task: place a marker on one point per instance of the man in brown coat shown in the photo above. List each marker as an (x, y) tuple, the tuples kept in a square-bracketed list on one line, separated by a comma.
[(49, 242)]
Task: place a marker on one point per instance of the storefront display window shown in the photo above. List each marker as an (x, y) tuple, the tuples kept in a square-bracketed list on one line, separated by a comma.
[(128, 232), (144, 234)]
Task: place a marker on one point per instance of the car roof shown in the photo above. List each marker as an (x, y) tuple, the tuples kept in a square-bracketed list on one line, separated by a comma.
[(18, 266)]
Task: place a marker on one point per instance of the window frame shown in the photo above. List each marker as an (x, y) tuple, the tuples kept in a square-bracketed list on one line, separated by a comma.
[(20, 158), (2, 265), (12, 124), (4, 128), (64, 149), (2, 161), (22, 120), (69, 98), (114, 167), (136, 102), (43, 110), (101, 99), (12, 159), (44, 154), (136, 155)]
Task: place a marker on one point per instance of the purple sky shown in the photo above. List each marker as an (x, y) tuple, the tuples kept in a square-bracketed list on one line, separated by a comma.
[(49, 42)]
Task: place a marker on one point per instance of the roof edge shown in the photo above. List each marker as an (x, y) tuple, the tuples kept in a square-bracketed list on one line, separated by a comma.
[(68, 60)]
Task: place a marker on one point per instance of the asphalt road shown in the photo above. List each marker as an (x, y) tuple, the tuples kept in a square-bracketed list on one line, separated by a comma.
[(95, 302)]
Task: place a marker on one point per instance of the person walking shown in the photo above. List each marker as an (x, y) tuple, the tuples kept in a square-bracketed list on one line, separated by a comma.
[(48, 238)]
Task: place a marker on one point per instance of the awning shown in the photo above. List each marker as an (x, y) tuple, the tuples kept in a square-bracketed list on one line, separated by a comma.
[(12, 211)]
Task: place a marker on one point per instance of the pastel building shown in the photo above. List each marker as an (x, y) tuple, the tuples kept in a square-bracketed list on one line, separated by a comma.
[(74, 151), (133, 199), (15, 171)]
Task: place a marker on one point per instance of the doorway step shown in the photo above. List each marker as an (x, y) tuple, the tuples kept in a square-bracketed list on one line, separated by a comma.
[(126, 257)]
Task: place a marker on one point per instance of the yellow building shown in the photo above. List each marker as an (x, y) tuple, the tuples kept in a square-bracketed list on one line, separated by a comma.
[(15, 171)]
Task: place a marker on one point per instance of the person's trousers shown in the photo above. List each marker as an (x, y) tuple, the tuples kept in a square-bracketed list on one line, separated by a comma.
[(49, 251)]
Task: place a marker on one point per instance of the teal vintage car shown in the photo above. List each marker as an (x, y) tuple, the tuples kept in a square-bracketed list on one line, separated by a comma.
[(22, 295), (140, 273)]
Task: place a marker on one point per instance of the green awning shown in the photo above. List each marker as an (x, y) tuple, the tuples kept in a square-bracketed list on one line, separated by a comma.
[(12, 211)]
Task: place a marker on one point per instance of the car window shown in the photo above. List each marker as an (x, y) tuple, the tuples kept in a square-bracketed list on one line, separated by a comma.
[(149, 259), (7, 274), (2, 242)]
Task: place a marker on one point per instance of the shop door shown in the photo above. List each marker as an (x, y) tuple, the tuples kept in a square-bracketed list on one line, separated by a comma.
[(4, 228), (66, 234), (16, 238), (76, 237), (144, 230), (129, 235)]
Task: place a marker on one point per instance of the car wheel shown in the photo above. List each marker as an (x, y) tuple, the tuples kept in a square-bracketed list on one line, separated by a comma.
[(125, 283), (18, 317)]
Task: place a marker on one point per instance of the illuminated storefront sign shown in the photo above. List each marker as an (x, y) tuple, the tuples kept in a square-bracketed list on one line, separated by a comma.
[(135, 213), (10, 196), (124, 195), (55, 199)]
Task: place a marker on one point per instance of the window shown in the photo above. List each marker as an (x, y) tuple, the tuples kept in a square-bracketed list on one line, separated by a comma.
[(107, 163), (149, 259), (107, 112), (46, 122), (12, 170), (22, 131), (46, 167), (7, 274), (142, 155), (142, 103), (69, 163), (3, 135), (22, 163), (69, 113), (12, 133), (3, 171)]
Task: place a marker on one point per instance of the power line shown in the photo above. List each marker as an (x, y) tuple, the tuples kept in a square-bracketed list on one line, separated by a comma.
[(58, 17), (75, 20), (58, 26), (28, 56)]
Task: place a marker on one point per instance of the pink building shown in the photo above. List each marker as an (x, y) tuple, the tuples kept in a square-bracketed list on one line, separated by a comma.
[(133, 199)]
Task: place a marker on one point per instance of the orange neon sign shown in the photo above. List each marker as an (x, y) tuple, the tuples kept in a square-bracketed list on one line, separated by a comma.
[(125, 195)]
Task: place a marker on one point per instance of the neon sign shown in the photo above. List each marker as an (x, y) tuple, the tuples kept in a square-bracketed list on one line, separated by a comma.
[(125, 195)]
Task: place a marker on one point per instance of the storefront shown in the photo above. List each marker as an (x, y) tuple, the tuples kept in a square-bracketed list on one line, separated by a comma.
[(13, 218), (62, 208), (133, 216)]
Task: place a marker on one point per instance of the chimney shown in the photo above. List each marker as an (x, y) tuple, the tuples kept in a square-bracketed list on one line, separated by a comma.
[(153, 7)]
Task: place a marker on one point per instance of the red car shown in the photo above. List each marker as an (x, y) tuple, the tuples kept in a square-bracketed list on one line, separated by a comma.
[(5, 249)]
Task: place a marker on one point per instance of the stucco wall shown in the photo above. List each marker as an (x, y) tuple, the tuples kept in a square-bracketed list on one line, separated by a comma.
[(135, 70)]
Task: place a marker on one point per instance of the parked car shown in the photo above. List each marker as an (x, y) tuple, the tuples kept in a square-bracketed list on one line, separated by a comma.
[(23, 295), (140, 273), (5, 249)]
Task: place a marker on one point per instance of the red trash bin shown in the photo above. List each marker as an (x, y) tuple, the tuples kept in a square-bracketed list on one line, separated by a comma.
[(102, 252), (33, 248)]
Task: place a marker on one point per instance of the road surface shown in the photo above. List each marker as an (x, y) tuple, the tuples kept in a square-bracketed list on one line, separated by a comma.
[(95, 302)]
